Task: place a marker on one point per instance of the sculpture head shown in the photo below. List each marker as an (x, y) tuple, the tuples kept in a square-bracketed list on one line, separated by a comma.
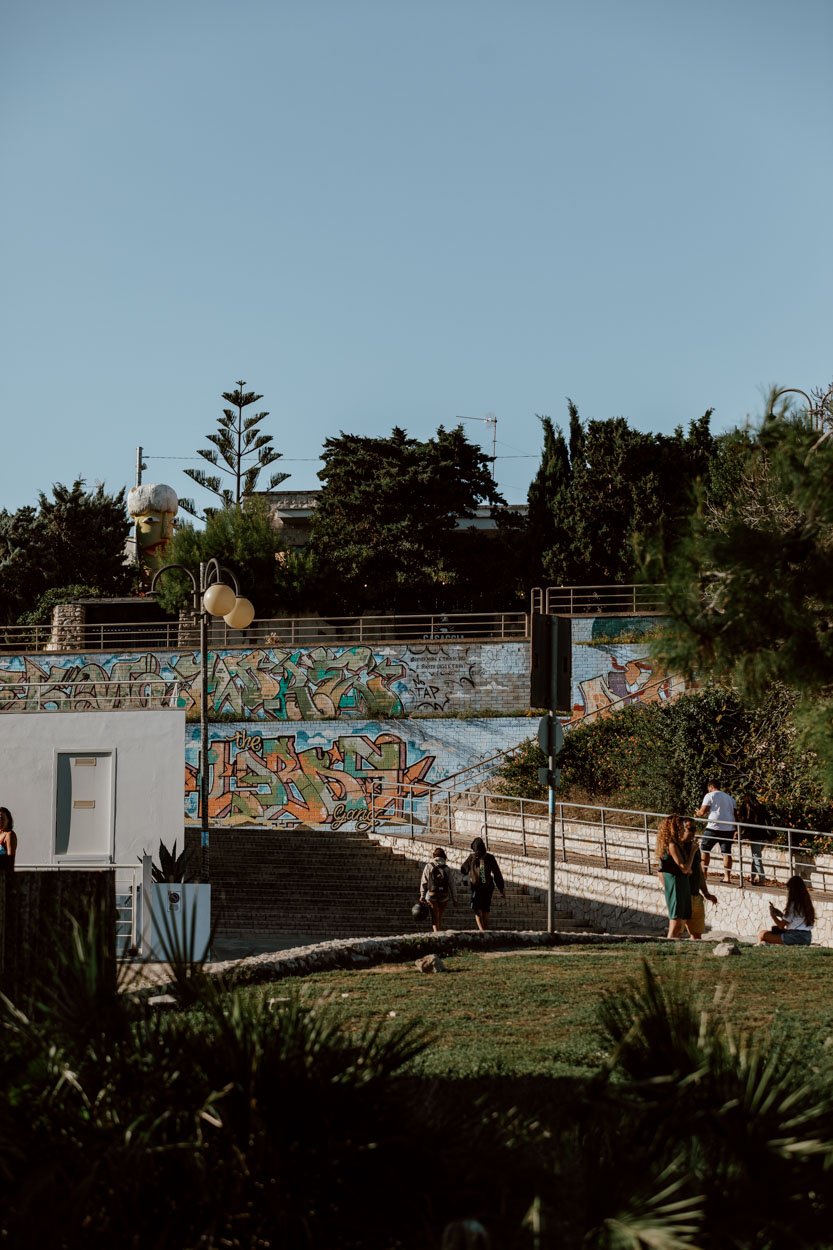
[(153, 508)]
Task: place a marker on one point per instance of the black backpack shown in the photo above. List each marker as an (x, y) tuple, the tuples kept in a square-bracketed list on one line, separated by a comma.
[(438, 879)]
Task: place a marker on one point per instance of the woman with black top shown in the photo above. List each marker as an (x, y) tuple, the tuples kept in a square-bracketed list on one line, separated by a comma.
[(482, 873), (8, 841)]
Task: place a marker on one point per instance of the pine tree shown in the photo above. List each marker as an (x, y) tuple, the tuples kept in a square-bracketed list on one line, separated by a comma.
[(549, 483), (237, 440), (749, 583)]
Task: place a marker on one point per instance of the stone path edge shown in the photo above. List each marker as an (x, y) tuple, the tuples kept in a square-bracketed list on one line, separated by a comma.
[(366, 952)]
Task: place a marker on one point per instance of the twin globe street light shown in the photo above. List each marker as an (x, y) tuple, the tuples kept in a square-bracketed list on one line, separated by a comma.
[(212, 598)]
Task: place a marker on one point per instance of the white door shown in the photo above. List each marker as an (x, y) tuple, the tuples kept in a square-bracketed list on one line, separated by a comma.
[(84, 805)]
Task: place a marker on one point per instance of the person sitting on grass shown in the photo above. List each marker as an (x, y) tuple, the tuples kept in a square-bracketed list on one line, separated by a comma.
[(794, 925)]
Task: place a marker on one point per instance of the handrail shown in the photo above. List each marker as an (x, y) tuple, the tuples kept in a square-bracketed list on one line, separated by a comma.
[(300, 631), (611, 837), (128, 937), (613, 599)]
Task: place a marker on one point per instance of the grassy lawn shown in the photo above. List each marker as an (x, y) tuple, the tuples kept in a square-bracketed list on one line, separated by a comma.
[(534, 1013)]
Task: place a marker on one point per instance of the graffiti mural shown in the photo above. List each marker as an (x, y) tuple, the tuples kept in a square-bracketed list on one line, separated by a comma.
[(271, 683), (321, 776), (612, 667)]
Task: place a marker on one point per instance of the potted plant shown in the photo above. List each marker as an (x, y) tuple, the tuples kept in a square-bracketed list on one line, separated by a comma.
[(180, 908)]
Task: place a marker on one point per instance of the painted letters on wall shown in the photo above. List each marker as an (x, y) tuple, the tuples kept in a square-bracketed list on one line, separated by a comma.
[(320, 775), (315, 683)]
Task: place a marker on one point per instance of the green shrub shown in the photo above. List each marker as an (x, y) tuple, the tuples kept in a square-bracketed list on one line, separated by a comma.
[(659, 757)]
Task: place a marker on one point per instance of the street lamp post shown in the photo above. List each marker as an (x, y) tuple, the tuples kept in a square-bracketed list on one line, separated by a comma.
[(820, 408), (212, 597)]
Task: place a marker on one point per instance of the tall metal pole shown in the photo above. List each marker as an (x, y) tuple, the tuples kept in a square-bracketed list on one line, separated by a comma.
[(210, 572), (200, 607), (551, 846)]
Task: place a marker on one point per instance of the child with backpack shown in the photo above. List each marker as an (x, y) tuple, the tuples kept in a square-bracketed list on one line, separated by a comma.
[(435, 887)]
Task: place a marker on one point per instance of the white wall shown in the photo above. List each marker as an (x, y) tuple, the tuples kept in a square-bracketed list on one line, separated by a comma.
[(148, 749)]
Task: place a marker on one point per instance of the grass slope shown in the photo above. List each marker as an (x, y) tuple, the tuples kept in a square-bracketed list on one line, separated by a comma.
[(534, 1013)]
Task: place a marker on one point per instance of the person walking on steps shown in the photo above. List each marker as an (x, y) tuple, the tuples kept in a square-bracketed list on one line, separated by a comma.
[(720, 826), (481, 872), (435, 888)]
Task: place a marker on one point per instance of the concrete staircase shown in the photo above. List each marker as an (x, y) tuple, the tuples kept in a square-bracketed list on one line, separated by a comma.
[(318, 885)]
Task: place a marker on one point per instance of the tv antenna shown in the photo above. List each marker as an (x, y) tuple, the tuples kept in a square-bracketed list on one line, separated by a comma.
[(489, 419)]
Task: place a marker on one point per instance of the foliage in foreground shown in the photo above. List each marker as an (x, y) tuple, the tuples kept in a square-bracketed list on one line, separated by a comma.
[(749, 582), (238, 1123)]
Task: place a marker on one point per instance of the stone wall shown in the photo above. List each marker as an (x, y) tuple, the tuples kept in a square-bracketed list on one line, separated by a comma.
[(68, 620), (319, 683)]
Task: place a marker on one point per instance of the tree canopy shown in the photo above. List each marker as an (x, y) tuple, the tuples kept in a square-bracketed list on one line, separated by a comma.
[(602, 490), (76, 537), (750, 583), (385, 531), (242, 540), (239, 449)]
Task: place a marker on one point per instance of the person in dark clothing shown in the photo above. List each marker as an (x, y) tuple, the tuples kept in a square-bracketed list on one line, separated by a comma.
[(482, 873), (753, 822), (8, 841)]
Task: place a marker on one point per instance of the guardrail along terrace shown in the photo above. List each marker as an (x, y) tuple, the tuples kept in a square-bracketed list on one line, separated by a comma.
[(296, 631)]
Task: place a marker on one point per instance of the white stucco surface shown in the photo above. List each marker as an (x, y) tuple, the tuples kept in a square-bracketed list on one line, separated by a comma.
[(146, 748)]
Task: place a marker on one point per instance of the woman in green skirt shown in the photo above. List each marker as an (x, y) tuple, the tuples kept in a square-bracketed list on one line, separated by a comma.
[(675, 865)]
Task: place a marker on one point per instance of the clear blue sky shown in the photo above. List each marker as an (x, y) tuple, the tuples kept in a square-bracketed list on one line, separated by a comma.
[(383, 212)]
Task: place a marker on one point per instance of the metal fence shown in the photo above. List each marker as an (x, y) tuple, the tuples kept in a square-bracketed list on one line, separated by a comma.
[(612, 838), (610, 600), (297, 631), (79, 696)]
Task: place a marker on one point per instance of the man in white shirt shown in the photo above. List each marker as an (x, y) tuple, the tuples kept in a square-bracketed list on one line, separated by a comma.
[(720, 827)]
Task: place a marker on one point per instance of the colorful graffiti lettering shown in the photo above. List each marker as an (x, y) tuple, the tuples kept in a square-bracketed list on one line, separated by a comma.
[(611, 667), (319, 684), (264, 779), (274, 683), (631, 682)]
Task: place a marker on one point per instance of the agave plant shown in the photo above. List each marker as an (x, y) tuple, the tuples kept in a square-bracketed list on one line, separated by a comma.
[(172, 869)]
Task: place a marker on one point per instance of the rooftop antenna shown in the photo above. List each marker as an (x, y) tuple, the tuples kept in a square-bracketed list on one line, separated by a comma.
[(489, 419)]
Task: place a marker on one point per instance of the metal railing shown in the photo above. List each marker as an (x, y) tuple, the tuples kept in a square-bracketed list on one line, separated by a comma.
[(129, 880), (297, 631), (612, 838), (610, 600), (78, 696)]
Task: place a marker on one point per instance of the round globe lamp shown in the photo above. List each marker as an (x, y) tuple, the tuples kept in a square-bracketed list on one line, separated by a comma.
[(219, 599), (241, 614)]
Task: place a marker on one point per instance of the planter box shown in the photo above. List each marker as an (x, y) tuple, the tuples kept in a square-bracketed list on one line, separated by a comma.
[(180, 919)]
